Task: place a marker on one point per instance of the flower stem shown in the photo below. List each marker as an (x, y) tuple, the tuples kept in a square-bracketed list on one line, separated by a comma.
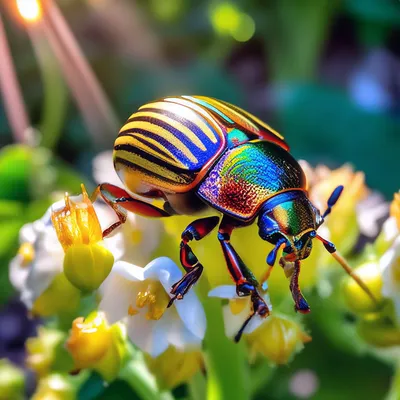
[(55, 92), (394, 390), (227, 370), (136, 374)]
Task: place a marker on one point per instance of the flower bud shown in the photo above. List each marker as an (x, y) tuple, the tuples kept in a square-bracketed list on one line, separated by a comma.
[(174, 366), (11, 381), (87, 266), (278, 338), (357, 300), (55, 387), (93, 344), (87, 262), (60, 297), (46, 353), (379, 332)]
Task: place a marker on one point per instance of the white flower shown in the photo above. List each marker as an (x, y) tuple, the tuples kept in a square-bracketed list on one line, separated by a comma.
[(41, 256), (139, 296), (141, 236), (103, 169), (238, 310), (390, 269)]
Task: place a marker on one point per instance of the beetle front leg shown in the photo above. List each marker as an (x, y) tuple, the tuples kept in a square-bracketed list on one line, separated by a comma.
[(246, 283), (121, 202), (196, 230), (301, 304)]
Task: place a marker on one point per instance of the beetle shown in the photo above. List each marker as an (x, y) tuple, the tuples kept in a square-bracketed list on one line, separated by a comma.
[(182, 155)]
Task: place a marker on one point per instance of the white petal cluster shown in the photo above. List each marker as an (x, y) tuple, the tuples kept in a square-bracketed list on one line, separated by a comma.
[(183, 325)]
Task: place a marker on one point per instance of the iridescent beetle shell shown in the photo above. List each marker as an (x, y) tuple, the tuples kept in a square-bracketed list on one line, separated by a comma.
[(191, 147), (188, 153)]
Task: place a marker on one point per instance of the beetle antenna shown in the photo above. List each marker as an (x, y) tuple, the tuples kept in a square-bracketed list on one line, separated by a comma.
[(334, 197), (332, 249)]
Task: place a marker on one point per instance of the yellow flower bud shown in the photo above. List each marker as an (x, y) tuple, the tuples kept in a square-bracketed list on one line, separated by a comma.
[(55, 387), (46, 353), (87, 262), (379, 332), (357, 300), (395, 209), (60, 297), (93, 344), (174, 366), (342, 223), (278, 338), (11, 381), (87, 266)]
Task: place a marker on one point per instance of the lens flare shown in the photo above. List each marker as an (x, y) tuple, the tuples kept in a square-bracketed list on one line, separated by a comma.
[(30, 10)]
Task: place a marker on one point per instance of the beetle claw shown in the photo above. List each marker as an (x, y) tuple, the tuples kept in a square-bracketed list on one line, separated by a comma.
[(180, 288)]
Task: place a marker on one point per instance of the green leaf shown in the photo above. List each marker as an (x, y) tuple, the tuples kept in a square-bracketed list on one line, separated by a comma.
[(10, 209), (15, 169)]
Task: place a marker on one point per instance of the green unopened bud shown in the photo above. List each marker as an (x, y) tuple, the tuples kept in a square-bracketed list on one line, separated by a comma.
[(93, 344), (87, 262), (11, 381), (357, 300), (278, 338), (174, 366), (86, 266), (379, 332), (55, 387), (46, 352), (60, 297)]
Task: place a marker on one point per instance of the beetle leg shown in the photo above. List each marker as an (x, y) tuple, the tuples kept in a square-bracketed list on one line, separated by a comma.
[(196, 230), (242, 276), (246, 283), (121, 202), (301, 304)]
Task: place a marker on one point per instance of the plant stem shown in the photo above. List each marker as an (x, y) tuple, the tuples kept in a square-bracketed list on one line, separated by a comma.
[(226, 361), (55, 91)]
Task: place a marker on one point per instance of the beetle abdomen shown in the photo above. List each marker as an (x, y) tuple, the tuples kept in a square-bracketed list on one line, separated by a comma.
[(165, 145), (246, 176)]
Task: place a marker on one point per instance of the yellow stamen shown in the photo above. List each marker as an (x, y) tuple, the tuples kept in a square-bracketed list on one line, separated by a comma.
[(155, 297), (132, 311), (27, 253), (238, 305), (77, 222)]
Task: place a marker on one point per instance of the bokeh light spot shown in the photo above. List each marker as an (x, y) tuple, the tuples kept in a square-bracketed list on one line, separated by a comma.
[(225, 18), (30, 10), (304, 383), (245, 29)]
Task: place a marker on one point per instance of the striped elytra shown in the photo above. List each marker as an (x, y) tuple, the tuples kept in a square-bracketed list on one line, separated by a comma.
[(170, 144)]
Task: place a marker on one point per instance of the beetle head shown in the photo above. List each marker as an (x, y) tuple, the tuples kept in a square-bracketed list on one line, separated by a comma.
[(290, 224)]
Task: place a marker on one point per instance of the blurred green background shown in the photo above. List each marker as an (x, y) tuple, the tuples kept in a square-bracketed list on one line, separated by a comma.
[(325, 73)]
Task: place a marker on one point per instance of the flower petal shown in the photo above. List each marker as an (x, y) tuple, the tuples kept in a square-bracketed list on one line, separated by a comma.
[(224, 292), (148, 335), (118, 294), (18, 272), (128, 271), (103, 169), (163, 269), (192, 314)]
